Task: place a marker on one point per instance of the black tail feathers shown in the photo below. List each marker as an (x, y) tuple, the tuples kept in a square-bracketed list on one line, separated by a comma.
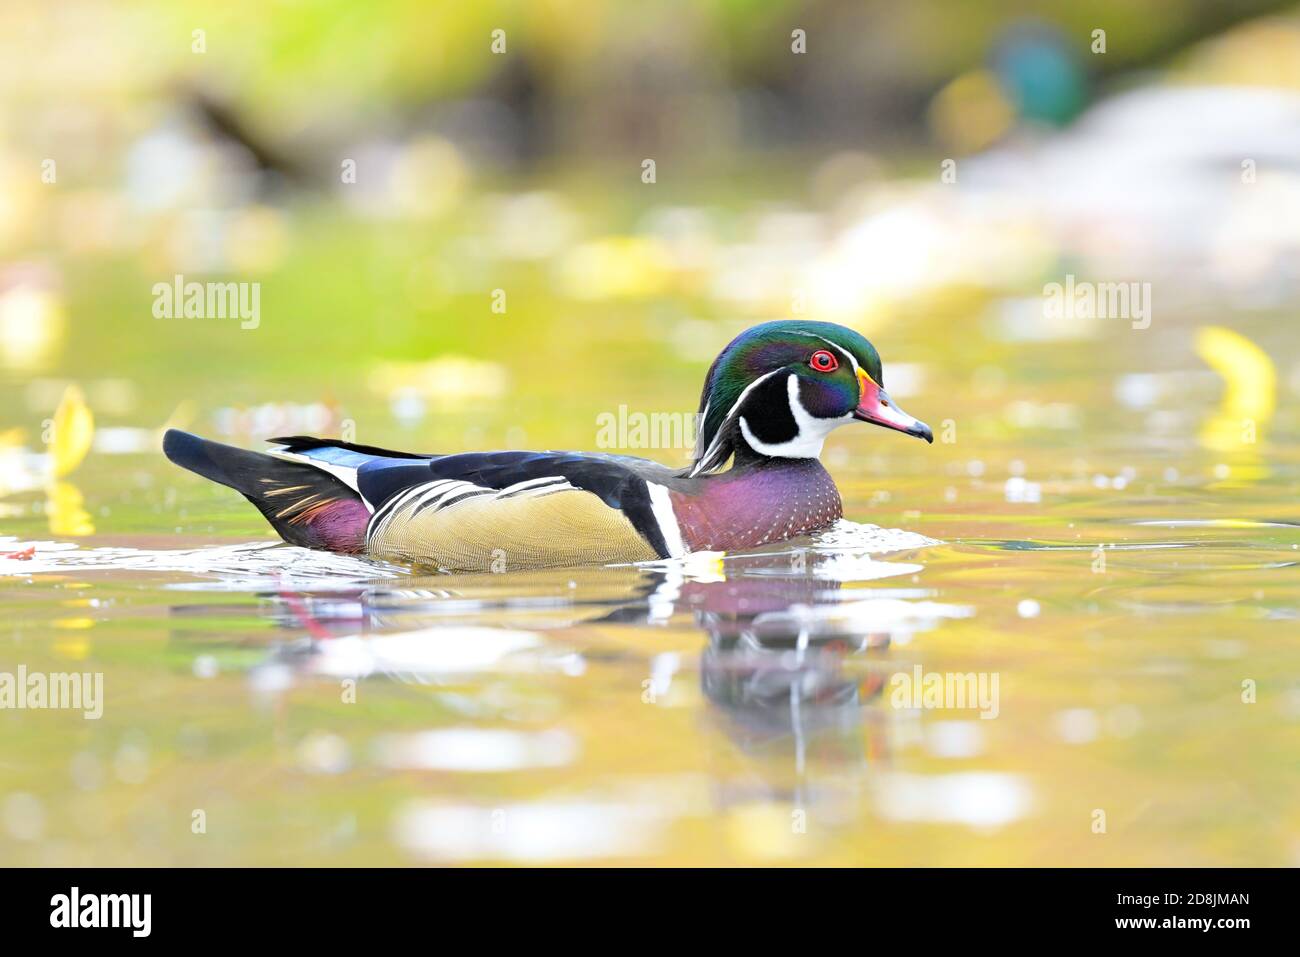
[(305, 505)]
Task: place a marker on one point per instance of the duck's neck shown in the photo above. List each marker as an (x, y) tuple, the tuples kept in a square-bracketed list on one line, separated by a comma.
[(758, 501)]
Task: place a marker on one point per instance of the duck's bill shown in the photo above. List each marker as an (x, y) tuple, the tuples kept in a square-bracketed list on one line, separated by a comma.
[(878, 408)]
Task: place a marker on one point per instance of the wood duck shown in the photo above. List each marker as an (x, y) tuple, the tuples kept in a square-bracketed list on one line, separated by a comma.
[(769, 401)]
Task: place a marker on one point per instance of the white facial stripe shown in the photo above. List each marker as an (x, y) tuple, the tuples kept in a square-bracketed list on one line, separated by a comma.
[(807, 442), (824, 426), (699, 424), (722, 427), (842, 351)]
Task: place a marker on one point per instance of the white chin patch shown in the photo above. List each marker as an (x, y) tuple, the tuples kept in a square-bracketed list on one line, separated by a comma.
[(808, 441)]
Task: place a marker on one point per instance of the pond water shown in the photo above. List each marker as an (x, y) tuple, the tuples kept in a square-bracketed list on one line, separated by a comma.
[(1110, 586)]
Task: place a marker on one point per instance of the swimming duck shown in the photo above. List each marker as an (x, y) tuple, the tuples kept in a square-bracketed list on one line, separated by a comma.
[(769, 401)]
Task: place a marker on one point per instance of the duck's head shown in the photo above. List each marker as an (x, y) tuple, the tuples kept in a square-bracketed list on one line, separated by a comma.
[(778, 389)]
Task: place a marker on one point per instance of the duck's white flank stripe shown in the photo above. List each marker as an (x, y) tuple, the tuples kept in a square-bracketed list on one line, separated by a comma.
[(661, 506)]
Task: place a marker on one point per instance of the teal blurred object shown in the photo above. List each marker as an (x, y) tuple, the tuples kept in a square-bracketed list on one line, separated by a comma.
[(1040, 74)]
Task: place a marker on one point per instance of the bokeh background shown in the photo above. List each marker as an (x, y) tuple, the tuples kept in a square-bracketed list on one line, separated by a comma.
[(786, 183), (446, 207)]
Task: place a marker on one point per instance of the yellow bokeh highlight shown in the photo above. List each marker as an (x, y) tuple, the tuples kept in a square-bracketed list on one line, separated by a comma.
[(33, 323), (768, 832), (73, 647), (971, 112)]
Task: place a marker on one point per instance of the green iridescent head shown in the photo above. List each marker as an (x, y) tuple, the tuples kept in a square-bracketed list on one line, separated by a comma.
[(779, 388)]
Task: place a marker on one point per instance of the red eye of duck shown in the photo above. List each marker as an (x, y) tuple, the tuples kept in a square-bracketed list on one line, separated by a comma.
[(823, 361)]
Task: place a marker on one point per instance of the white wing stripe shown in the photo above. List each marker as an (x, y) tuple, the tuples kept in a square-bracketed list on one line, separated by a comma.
[(540, 490), (346, 475), (390, 508), (434, 496), (531, 483)]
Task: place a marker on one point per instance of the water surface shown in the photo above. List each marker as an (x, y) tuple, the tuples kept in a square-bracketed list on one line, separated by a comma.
[(1128, 588)]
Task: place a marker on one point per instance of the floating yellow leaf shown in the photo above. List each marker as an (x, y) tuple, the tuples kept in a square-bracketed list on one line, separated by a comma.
[(74, 428), (1249, 395), (705, 567)]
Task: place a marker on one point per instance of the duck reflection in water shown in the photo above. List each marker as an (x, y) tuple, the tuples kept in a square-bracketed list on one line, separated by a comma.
[(789, 678), (774, 667), (798, 646)]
